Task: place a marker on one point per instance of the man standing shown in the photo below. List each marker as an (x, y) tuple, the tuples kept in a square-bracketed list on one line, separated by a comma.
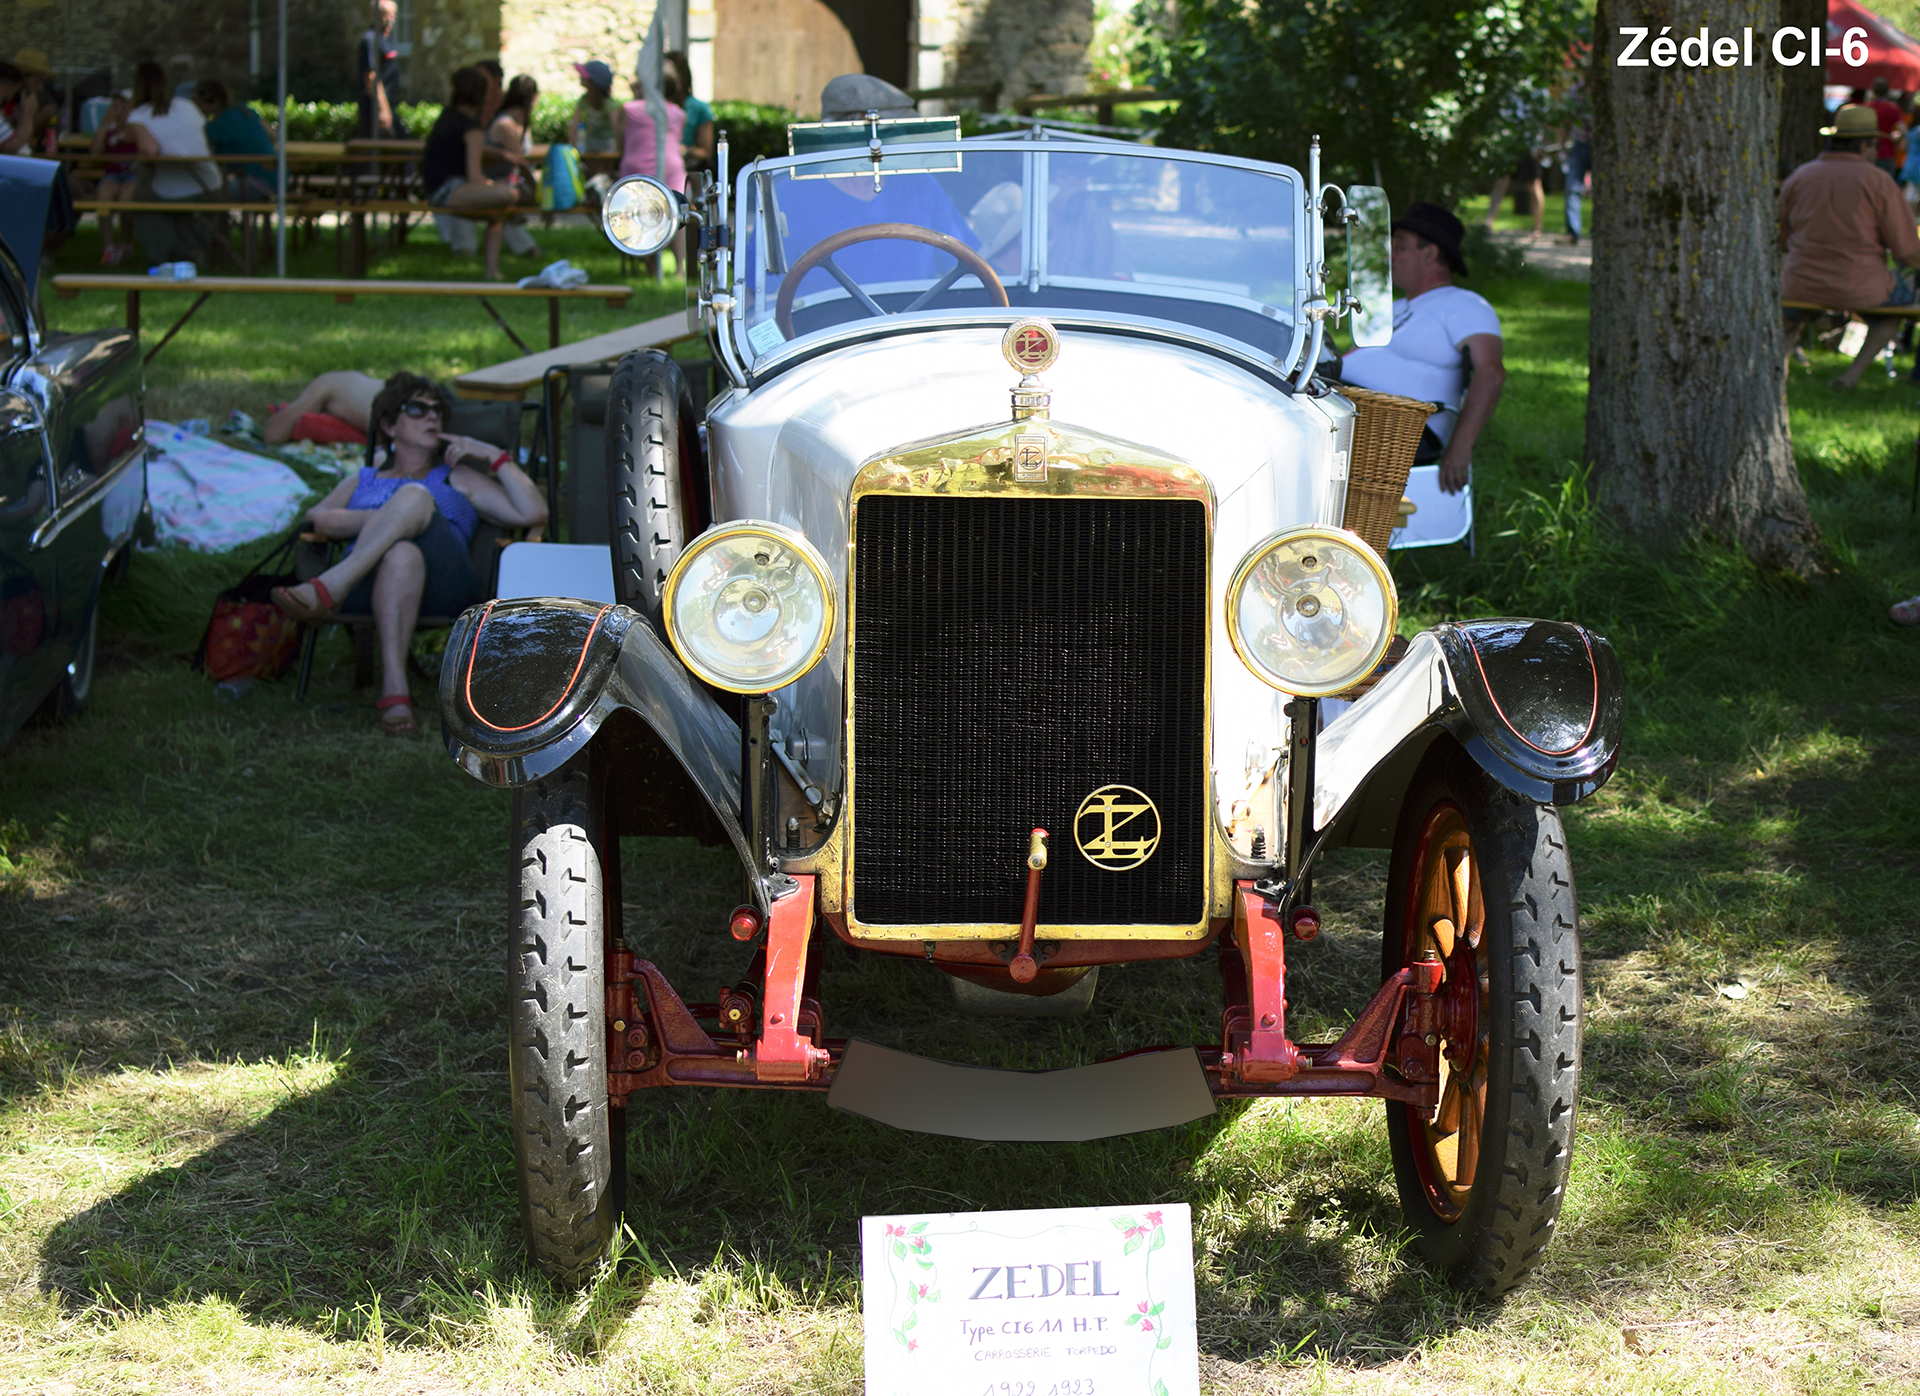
[(379, 66), (1840, 217), (1891, 152), (1446, 340)]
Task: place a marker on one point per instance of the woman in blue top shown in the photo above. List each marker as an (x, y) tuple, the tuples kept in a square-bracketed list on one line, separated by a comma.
[(411, 520)]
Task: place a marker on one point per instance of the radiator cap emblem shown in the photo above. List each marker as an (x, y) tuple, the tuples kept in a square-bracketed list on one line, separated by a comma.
[(1031, 345), (1117, 828)]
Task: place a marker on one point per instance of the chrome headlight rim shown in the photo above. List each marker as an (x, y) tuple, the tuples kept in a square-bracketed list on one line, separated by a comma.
[(676, 205), (1354, 543), (749, 528)]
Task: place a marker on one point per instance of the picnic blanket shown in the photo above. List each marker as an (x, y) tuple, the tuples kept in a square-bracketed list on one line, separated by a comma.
[(208, 496)]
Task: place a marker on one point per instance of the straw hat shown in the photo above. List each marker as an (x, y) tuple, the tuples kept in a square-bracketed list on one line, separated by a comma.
[(33, 63), (1853, 123)]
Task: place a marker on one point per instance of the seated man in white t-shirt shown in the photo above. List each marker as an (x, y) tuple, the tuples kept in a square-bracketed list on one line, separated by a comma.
[(1446, 340)]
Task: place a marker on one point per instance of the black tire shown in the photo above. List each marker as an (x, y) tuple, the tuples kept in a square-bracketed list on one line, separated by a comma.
[(565, 1147), (654, 475), (1484, 1220), (70, 695)]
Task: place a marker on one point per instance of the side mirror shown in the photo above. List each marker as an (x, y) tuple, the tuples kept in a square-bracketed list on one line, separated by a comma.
[(1369, 266)]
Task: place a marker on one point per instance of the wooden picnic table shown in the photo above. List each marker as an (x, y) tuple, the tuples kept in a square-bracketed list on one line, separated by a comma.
[(69, 285), (510, 381), (1897, 312)]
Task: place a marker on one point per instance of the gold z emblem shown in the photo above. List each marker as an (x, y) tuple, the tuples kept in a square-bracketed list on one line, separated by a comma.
[(1117, 828)]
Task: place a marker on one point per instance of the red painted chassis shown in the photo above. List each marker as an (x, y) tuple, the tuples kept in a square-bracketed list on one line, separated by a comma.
[(769, 1029)]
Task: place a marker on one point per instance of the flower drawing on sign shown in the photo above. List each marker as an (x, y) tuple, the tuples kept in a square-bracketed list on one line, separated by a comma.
[(1150, 1232), (908, 1253)]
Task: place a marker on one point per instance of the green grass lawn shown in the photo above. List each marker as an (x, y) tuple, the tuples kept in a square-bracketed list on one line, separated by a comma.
[(252, 1082)]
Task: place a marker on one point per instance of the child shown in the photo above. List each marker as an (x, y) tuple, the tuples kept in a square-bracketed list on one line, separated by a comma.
[(118, 182)]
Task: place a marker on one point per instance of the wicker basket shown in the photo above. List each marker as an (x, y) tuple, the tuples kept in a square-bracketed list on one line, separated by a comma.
[(1386, 433)]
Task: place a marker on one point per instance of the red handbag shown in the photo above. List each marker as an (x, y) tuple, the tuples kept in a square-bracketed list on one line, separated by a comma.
[(249, 637)]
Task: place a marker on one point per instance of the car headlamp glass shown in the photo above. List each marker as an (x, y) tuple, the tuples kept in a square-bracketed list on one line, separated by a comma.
[(640, 215), (749, 606), (1311, 610)]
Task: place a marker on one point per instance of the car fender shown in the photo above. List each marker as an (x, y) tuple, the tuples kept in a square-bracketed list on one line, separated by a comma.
[(1538, 704), (527, 684)]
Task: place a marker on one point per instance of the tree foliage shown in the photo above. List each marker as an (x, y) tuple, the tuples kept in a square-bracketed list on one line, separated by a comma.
[(1429, 97)]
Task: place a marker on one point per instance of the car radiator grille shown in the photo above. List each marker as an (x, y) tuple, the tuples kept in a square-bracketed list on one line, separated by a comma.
[(1011, 657)]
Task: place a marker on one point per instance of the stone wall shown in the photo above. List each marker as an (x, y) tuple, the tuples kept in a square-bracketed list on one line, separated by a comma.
[(449, 34), (1027, 46), (547, 37), (777, 51), (198, 38)]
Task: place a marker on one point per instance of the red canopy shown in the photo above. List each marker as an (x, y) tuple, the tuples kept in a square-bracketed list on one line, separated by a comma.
[(1890, 53)]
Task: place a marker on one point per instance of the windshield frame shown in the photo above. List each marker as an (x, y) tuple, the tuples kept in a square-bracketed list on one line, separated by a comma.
[(759, 367)]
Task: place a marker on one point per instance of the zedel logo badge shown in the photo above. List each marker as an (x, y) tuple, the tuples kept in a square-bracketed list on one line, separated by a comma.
[(1117, 828), (1031, 345)]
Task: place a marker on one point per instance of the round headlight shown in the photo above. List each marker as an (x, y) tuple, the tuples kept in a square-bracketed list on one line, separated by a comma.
[(640, 215), (1311, 610), (749, 606)]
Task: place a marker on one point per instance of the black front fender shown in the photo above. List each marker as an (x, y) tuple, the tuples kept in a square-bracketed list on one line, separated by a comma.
[(528, 684), (1541, 704), (1538, 704)]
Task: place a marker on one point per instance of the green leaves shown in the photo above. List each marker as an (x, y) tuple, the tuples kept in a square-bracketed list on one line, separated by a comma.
[(1428, 100)]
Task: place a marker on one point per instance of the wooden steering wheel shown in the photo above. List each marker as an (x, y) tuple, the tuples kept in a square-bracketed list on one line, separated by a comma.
[(965, 259)]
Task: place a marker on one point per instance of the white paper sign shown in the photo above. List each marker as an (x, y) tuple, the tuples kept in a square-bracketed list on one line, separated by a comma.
[(1072, 1301)]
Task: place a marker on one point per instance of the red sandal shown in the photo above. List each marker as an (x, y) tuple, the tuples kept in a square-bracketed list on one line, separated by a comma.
[(284, 598), (403, 726)]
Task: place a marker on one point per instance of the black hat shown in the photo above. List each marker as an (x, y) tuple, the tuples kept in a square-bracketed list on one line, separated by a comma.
[(1438, 227)]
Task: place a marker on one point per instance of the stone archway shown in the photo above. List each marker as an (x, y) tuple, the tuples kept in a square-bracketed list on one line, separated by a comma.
[(781, 52)]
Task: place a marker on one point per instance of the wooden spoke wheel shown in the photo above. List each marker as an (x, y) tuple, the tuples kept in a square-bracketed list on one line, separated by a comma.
[(1449, 922), (1480, 880)]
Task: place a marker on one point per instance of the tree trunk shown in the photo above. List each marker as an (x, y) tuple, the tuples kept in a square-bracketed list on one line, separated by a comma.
[(1803, 106), (1686, 411)]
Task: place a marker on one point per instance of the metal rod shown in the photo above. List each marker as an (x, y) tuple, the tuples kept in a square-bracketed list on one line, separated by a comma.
[(176, 327), (487, 306), (280, 159), (1303, 715)]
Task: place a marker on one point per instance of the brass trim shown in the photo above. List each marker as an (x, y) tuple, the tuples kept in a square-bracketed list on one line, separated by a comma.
[(1354, 543), (1081, 464), (750, 528)]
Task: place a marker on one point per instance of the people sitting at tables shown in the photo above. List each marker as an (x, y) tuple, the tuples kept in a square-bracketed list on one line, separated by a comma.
[(451, 164), (164, 125), (17, 111), (1446, 345), (696, 149), (1840, 219), (594, 128), (234, 128), (119, 180), (509, 159), (411, 520), (642, 145), (34, 110), (336, 406)]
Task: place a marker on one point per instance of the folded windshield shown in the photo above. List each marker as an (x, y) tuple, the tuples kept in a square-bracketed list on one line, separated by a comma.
[(1103, 232)]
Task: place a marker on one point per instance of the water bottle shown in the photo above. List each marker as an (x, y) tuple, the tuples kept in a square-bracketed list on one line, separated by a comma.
[(197, 426), (174, 271)]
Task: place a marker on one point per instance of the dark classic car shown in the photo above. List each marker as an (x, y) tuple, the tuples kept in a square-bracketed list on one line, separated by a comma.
[(73, 480), (1022, 677)]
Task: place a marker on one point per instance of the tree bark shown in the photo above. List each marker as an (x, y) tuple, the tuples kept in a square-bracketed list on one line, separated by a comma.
[(1686, 410), (1803, 106)]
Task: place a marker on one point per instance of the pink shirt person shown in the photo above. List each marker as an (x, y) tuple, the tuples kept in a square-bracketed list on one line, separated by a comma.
[(641, 147)]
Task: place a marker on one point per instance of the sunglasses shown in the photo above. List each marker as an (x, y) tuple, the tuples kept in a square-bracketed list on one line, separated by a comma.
[(418, 409)]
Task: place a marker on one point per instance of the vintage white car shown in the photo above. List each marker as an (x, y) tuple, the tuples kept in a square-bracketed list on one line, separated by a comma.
[(988, 615)]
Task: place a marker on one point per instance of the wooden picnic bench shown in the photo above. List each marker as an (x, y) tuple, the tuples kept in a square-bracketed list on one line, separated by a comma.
[(548, 374), (69, 285), (511, 380)]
